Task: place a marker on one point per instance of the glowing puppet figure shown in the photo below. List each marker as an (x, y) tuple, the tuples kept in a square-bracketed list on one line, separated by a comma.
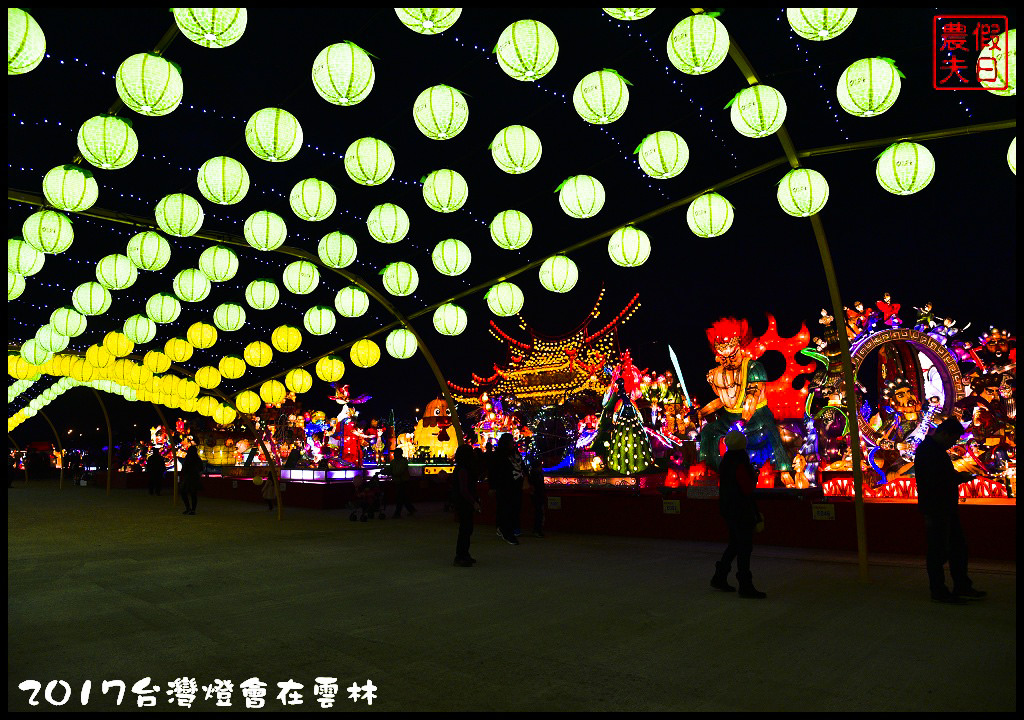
[(629, 450), (435, 430)]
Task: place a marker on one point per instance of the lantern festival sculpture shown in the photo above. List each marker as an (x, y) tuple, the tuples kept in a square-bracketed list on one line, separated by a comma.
[(434, 434)]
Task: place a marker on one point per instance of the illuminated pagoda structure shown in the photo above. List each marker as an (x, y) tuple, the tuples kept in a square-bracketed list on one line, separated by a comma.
[(548, 370)]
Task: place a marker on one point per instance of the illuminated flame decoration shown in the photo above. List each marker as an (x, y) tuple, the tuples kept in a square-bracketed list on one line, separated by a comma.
[(785, 400)]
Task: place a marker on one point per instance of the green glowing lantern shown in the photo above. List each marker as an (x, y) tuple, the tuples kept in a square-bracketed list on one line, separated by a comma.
[(698, 44), (22, 258), (258, 354), (364, 353), (445, 191), (351, 301), (108, 142), (628, 14), (248, 402), (558, 274), (273, 135), (208, 377), (26, 43), (15, 285), (400, 344), (149, 84), (516, 149), (223, 180), (48, 231), (218, 263), (663, 154), (50, 340), (869, 87), (286, 338), (511, 229), (905, 168), (369, 161), (34, 353), (178, 349), (343, 74), (117, 344), (312, 200), (400, 278), (709, 215), (298, 380), (116, 272), (1011, 156), (262, 294), (505, 299), (319, 320), (202, 336), (70, 188), (211, 27), (440, 112), (231, 367), (265, 230), (330, 368), (156, 362), (91, 298), (629, 247), (149, 250), (388, 223), (229, 317), (191, 285), (451, 257), (428, 21), (758, 111), (527, 50), (301, 277), (337, 250), (581, 196), (819, 23), (997, 64), (163, 308), (803, 192), (601, 97), (139, 329), (179, 214)]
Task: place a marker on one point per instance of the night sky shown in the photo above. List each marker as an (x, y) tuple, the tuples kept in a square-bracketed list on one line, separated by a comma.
[(953, 244)]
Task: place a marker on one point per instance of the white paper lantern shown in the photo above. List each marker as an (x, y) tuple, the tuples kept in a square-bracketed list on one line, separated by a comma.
[(218, 263), (139, 329), (107, 142), (68, 321), (223, 180), (868, 87), (997, 64), (48, 231), (116, 272), (400, 278), (273, 135), (516, 149), (905, 168), (15, 285), (34, 353), (803, 192), (558, 274), (581, 196), (709, 215), (312, 200), (337, 250), (351, 301), (26, 43), (211, 27), (191, 285), (343, 74), (1011, 156), (91, 298), (601, 97), (301, 277), (428, 21), (70, 188), (401, 344), (820, 23), (527, 50), (758, 111), (629, 247), (149, 250), (262, 294), (698, 44), (149, 84), (663, 154), (179, 214), (440, 112), (451, 257), (369, 161), (319, 320), (22, 258), (163, 308), (450, 319), (388, 223), (445, 191), (50, 340), (265, 230), (628, 14), (511, 229), (505, 299), (229, 317)]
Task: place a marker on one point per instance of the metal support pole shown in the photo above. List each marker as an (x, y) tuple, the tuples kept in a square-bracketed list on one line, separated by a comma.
[(110, 438), (60, 449)]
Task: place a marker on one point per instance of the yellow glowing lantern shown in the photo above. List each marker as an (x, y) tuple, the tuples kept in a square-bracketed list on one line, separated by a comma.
[(262, 294), (229, 317), (301, 277), (107, 142), (139, 329), (450, 319), (258, 354), (191, 285), (558, 274), (369, 161), (187, 389), (428, 21), (709, 215), (400, 344), (698, 44), (298, 380), (149, 84), (178, 349), (223, 180), (319, 320), (265, 230), (70, 188), (758, 111), (527, 50), (820, 23), (231, 367), (202, 336), (206, 405), (149, 250), (387, 223), (208, 377), (803, 192), (445, 190), (163, 308), (91, 298), (869, 87), (48, 231), (273, 135), (905, 168), (156, 362), (330, 368), (247, 402), (211, 27), (312, 200), (224, 414), (117, 344), (629, 247), (581, 196), (343, 74), (337, 250), (601, 97), (116, 272), (440, 112), (272, 392), (400, 278), (504, 299), (98, 356), (663, 154), (451, 257), (364, 353), (286, 338), (179, 214)]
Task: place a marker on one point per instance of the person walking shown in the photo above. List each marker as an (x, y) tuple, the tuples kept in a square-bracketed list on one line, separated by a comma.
[(938, 498), (736, 503), (466, 502), (269, 492), (190, 479), (507, 475), (155, 469), (398, 470)]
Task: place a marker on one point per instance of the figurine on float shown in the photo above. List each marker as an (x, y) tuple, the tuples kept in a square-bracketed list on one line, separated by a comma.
[(629, 450), (739, 384), (435, 430), (859, 320), (890, 311), (346, 432)]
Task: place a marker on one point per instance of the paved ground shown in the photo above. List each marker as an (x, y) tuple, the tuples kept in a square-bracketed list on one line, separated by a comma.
[(125, 587)]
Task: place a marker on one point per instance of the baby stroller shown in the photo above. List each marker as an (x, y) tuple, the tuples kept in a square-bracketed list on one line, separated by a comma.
[(369, 499)]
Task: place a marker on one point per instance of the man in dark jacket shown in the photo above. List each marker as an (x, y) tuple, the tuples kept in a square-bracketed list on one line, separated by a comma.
[(938, 498), (737, 480), (155, 469)]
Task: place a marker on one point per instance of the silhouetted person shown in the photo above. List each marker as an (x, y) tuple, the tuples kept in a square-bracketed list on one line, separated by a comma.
[(506, 475), (155, 469), (938, 497), (190, 479), (537, 496), (294, 457), (268, 491), (466, 502), (398, 469), (736, 482)]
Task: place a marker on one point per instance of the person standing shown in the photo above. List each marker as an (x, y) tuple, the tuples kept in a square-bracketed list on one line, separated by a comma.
[(269, 491), (155, 469), (398, 469), (507, 475), (466, 502), (190, 479), (536, 478), (938, 498), (736, 503)]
